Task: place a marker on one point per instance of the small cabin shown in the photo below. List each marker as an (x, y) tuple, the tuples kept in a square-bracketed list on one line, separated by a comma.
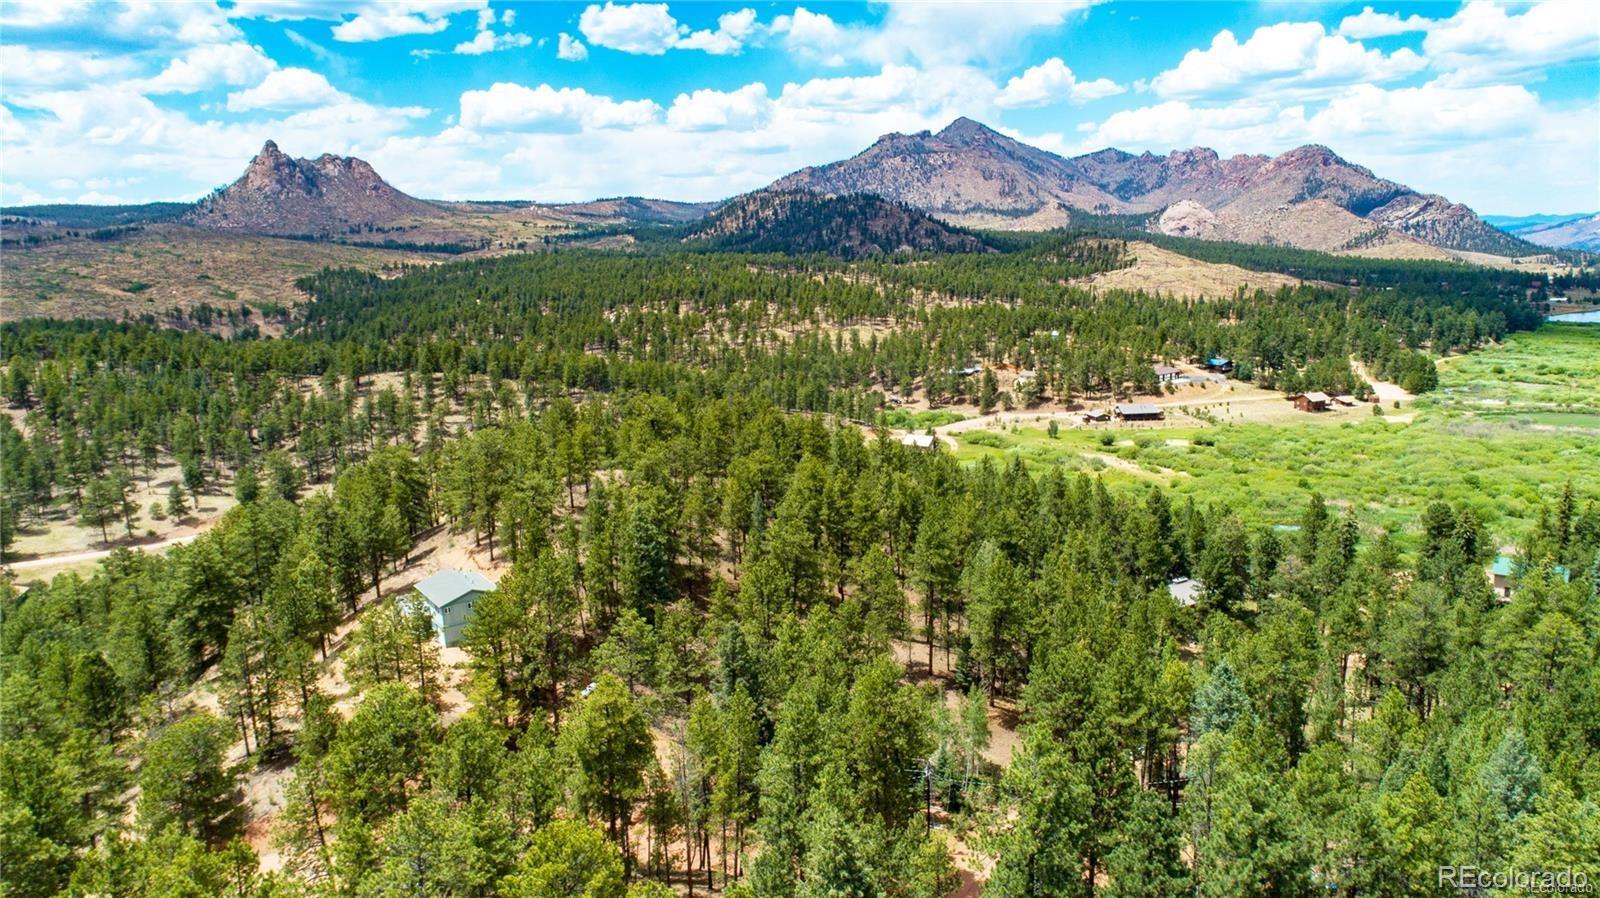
[(1219, 365), (1507, 569), (1138, 411), (1096, 416), (1166, 373), (451, 596), (924, 441), (1312, 402)]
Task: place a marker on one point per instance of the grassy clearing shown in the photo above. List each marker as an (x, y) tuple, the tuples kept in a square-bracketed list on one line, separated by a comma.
[(908, 419), (1509, 427), (59, 532), (1551, 377)]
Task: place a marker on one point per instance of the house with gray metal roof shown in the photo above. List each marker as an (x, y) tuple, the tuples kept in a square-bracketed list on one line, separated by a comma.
[(451, 596)]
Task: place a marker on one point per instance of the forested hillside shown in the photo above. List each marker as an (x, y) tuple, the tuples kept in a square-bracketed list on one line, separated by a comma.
[(745, 640), (850, 227)]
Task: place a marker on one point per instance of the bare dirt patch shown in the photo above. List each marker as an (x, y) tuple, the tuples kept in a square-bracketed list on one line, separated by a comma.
[(1156, 270), (166, 267)]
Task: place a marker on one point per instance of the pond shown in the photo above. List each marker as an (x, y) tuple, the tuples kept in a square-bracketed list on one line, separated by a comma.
[(1590, 317)]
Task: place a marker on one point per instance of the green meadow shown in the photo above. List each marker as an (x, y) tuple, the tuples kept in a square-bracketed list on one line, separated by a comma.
[(1509, 426)]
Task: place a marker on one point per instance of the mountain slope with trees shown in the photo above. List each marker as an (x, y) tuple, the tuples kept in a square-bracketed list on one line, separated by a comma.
[(849, 227), (745, 641)]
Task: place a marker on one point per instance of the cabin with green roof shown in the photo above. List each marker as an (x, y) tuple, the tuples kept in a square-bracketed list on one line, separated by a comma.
[(1507, 569)]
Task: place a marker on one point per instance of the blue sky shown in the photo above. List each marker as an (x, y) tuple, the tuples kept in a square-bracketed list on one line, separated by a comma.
[(1495, 105)]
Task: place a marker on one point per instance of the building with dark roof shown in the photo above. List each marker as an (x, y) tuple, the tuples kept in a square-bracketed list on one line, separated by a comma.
[(1138, 411)]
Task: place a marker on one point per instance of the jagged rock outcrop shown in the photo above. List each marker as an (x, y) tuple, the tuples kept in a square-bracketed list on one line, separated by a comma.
[(328, 195)]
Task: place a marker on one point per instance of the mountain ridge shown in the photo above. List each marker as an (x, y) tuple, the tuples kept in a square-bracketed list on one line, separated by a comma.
[(1579, 231), (972, 175)]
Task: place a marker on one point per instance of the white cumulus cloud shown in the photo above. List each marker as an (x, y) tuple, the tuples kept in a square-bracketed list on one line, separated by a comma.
[(571, 49), (39, 13), (1369, 24), (291, 88), (812, 34), (488, 42), (24, 67), (378, 21), (1288, 55), (643, 28), (1053, 82), (515, 107), (209, 66), (714, 110), (733, 29), (649, 29), (1484, 41)]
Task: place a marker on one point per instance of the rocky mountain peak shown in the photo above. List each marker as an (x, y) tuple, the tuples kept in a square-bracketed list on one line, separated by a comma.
[(965, 132), (1112, 154), (272, 171), (1195, 156), (278, 194), (1312, 154)]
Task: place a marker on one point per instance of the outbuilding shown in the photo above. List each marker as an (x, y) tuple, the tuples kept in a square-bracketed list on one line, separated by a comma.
[(1219, 365), (451, 596), (924, 441), (1166, 373)]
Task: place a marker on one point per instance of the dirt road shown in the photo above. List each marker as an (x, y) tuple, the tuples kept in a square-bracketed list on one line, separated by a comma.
[(97, 554)]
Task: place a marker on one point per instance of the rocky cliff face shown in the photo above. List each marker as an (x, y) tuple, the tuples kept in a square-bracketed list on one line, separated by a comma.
[(324, 196), (1309, 196)]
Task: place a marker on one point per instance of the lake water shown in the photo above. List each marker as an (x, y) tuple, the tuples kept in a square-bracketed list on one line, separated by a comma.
[(1577, 317)]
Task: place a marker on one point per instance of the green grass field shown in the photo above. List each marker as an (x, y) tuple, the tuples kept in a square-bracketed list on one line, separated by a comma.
[(906, 419), (1507, 428)]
